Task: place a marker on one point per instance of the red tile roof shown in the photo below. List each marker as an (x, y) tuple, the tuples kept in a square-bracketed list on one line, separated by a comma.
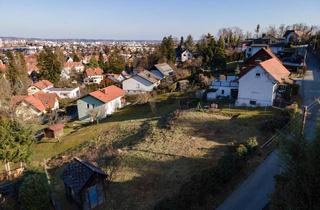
[(72, 64), (41, 101), (56, 127), (42, 84), (275, 68), (35, 102), (47, 99), (94, 71), (3, 67), (108, 94)]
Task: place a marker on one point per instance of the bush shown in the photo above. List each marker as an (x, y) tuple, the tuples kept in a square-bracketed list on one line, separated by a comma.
[(241, 151), (34, 192), (252, 144)]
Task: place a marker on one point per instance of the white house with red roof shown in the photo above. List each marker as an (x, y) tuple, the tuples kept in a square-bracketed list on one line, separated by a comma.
[(41, 85), (101, 103), (33, 106), (93, 76), (258, 85)]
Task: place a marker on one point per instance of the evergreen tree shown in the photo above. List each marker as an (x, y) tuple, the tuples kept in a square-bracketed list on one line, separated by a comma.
[(167, 49), (75, 57), (101, 62), (116, 63), (12, 73), (50, 63), (17, 73), (298, 186), (93, 63), (34, 192), (15, 141), (189, 43)]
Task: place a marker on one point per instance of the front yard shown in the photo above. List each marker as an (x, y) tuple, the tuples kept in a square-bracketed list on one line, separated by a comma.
[(149, 152)]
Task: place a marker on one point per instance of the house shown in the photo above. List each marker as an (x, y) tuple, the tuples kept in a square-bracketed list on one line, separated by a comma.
[(63, 93), (253, 49), (258, 85), (142, 82), (85, 184), (101, 103), (41, 85), (117, 78), (183, 55), (162, 70), (34, 106), (93, 76), (69, 67), (54, 131), (262, 55), (225, 86), (292, 36)]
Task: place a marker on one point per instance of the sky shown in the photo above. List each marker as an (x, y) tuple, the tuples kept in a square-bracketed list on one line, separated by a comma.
[(147, 19)]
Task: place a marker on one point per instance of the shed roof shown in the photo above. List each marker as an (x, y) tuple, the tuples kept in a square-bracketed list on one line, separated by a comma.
[(56, 127), (77, 173), (164, 68)]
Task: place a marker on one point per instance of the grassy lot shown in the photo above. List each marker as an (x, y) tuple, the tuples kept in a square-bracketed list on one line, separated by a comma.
[(152, 161)]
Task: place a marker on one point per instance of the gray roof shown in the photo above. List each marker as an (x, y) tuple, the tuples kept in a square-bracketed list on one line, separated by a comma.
[(164, 68), (62, 89), (77, 173), (147, 75)]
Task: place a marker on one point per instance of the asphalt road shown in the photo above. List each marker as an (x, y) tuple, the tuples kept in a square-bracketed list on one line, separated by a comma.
[(253, 193)]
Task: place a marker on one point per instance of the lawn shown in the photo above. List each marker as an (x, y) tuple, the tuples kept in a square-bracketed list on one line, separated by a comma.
[(152, 160)]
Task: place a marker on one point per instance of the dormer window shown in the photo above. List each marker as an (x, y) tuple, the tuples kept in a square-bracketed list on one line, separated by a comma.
[(258, 75)]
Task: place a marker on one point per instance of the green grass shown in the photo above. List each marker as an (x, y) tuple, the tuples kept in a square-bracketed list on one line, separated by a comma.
[(153, 161)]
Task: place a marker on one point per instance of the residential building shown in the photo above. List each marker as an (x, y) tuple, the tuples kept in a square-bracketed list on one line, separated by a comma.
[(93, 76), (142, 82), (41, 85), (101, 103), (63, 93), (162, 70), (258, 85), (292, 36), (183, 55), (254, 48), (225, 86), (34, 106)]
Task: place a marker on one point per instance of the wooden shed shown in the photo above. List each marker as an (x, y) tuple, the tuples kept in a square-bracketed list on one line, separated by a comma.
[(54, 131), (85, 184)]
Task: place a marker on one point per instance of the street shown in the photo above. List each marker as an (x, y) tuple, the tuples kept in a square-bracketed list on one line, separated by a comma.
[(253, 193)]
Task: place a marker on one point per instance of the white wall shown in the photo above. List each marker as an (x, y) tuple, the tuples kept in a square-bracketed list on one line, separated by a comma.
[(93, 79), (260, 89), (250, 51)]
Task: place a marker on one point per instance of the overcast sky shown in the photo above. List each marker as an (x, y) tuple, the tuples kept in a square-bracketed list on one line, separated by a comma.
[(147, 19)]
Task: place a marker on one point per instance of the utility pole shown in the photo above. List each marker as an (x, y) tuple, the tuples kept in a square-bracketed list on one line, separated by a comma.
[(304, 119)]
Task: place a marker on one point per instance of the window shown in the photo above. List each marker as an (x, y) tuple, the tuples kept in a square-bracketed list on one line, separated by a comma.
[(258, 74), (253, 103), (88, 106), (222, 92)]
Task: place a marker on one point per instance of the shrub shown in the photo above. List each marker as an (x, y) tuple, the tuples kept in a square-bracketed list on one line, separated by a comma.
[(252, 144), (241, 151), (34, 192)]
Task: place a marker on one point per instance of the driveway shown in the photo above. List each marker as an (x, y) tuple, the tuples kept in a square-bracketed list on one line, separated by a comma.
[(253, 193)]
